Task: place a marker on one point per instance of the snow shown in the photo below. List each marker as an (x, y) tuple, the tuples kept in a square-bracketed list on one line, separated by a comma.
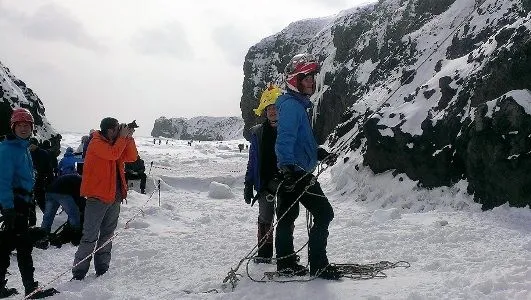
[(219, 191), (185, 246), (522, 97)]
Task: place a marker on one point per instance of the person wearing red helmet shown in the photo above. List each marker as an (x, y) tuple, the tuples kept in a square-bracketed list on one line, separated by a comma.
[(16, 185), (297, 156)]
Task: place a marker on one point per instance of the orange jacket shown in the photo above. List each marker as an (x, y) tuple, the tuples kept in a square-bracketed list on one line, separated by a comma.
[(99, 169)]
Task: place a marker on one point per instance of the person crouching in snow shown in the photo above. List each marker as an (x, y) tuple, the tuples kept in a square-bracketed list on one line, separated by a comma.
[(103, 183), (261, 169), (16, 184), (64, 192)]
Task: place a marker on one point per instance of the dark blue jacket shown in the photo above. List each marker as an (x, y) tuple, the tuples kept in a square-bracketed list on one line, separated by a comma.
[(257, 157), (16, 171), (296, 143)]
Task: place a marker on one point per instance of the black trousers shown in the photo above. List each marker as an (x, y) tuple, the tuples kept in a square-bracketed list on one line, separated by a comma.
[(317, 204), (18, 239)]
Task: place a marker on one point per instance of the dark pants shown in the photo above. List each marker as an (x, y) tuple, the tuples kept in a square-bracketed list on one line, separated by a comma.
[(18, 239), (317, 204), (141, 176), (39, 191)]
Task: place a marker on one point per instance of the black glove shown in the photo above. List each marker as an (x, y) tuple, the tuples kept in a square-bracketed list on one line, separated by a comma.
[(9, 219), (326, 157), (248, 193), (291, 177)]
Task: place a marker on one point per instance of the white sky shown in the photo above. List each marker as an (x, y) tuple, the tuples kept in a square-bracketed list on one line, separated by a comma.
[(140, 59)]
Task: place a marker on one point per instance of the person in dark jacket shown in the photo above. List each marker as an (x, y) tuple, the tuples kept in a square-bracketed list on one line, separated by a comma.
[(16, 184), (64, 192), (137, 170), (297, 155), (261, 169), (43, 176), (52, 155)]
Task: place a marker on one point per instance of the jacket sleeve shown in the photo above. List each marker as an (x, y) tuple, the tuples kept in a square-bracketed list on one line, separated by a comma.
[(6, 179), (130, 153), (106, 151), (251, 164), (288, 126)]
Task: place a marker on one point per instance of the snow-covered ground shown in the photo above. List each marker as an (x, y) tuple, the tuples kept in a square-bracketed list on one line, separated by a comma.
[(186, 246)]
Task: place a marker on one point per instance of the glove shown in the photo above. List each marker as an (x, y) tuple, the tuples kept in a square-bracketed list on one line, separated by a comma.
[(326, 157), (291, 177), (248, 193), (9, 219)]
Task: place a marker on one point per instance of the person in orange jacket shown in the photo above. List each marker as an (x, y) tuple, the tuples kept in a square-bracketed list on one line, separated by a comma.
[(104, 185)]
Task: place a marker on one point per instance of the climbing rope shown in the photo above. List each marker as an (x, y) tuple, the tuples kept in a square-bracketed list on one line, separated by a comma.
[(232, 277)]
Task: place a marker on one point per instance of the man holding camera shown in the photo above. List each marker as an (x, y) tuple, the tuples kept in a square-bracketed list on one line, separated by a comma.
[(104, 185)]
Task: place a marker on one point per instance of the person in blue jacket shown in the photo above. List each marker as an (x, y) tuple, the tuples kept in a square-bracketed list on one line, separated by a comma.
[(298, 154), (67, 165), (16, 185), (262, 169)]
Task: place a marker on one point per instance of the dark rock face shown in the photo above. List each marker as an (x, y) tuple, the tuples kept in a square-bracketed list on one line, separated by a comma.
[(13, 94), (497, 156), (265, 62), (199, 128), (420, 95)]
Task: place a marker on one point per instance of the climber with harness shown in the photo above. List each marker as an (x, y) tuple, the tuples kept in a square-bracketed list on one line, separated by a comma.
[(297, 154)]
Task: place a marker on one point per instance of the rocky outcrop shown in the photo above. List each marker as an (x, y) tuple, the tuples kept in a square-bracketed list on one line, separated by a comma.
[(435, 89), (13, 94), (199, 128)]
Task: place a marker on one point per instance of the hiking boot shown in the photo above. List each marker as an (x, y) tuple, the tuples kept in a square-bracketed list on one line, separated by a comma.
[(292, 270), (6, 292), (42, 244), (98, 274), (76, 236), (39, 294), (78, 278), (329, 272)]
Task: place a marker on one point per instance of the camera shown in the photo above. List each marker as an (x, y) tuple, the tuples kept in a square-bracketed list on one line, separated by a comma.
[(132, 125)]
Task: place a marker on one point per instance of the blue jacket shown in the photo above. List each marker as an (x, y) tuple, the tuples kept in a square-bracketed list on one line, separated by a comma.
[(252, 176), (295, 144), (16, 171), (261, 167), (67, 165)]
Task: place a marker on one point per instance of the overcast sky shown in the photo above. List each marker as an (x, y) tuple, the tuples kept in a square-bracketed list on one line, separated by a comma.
[(133, 59)]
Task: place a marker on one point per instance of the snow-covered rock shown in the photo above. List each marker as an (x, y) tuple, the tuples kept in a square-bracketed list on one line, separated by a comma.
[(436, 89), (199, 128), (219, 191), (13, 94)]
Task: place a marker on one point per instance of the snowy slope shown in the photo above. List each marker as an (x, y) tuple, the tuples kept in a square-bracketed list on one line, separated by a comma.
[(184, 248)]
